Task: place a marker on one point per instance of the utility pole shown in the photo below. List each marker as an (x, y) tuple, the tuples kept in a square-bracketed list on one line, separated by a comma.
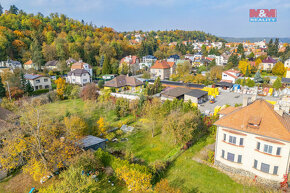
[(8, 90)]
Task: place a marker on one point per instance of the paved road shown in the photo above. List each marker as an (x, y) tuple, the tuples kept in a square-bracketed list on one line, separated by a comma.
[(229, 98)]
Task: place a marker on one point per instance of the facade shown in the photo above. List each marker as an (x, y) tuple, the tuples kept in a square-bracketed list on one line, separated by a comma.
[(287, 63), (254, 139), (51, 65), (268, 63), (163, 69), (82, 66), (123, 83), (132, 62), (196, 96), (230, 76), (147, 61), (38, 82), (78, 76), (29, 64)]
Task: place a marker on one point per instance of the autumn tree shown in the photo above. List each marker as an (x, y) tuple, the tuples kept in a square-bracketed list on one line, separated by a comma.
[(279, 69), (37, 57), (106, 66), (244, 66), (41, 145), (102, 126), (2, 89), (60, 87), (164, 187), (90, 92), (216, 73), (75, 125), (153, 112), (277, 83)]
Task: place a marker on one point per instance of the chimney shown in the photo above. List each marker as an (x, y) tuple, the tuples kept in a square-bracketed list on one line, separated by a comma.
[(245, 101)]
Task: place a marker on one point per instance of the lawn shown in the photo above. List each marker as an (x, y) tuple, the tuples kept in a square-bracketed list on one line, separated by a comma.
[(192, 176), (144, 146)]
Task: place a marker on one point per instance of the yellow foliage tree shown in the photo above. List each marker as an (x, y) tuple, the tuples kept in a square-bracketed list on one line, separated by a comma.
[(60, 87), (75, 125), (135, 180), (244, 65), (279, 69), (102, 125), (258, 62)]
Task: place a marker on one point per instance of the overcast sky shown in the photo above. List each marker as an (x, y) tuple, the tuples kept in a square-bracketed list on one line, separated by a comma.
[(219, 17)]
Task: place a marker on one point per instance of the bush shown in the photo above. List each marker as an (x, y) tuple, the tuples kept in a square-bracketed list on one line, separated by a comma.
[(101, 84), (111, 136), (210, 157), (87, 162), (52, 96), (89, 92), (39, 92), (75, 92), (41, 100)]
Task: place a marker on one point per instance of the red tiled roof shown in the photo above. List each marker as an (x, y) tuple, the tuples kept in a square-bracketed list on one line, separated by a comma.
[(160, 65), (28, 62), (226, 72)]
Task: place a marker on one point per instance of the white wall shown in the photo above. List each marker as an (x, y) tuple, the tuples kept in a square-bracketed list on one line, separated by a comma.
[(249, 154), (39, 83)]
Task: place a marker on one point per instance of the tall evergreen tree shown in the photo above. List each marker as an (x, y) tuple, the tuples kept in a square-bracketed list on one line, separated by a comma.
[(37, 57), (1, 9), (22, 81), (258, 78), (13, 9), (2, 89), (106, 66), (28, 88)]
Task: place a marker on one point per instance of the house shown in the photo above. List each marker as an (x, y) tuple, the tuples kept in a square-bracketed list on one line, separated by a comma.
[(286, 81), (147, 61), (11, 64), (78, 76), (92, 143), (254, 140), (132, 62), (173, 58), (29, 64), (51, 65), (38, 81), (163, 69), (123, 82), (230, 76), (194, 95), (287, 63), (288, 73), (268, 63), (84, 66), (108, 77), (70, 61)]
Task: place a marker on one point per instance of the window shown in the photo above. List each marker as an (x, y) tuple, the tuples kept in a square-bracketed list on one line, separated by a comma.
[(268, 148), (275, 171), (225, 137), (46, 86), (223, 153), (240, 159), (231, 157), (265, 167), (258, 146), (45, 80), (278, 152), (37, 81), (232, 140), (36, 87), (255, 164), (241, 141), (85, 80)]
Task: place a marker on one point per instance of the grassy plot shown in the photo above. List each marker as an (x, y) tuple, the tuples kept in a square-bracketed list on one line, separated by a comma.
[(191, 176), (146, 147)]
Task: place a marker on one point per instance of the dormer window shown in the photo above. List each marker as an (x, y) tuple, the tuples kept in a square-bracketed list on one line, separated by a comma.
[(254, 122)]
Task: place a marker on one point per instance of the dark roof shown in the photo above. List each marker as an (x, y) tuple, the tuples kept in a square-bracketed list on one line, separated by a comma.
[(123, 80), (90, 140), (196, 93), (51, 63), (77, 72), (150, 57), (31, 76), (269, 60), (176, 92), (173, 83), (285, 80), (175, 56), (224, 84)]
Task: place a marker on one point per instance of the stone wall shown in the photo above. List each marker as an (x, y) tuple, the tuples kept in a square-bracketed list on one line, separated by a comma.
[(3, 174), (234, 171)]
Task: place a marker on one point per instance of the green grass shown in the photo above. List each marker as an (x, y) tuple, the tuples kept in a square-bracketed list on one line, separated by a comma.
[(191, 176), (143, 146)]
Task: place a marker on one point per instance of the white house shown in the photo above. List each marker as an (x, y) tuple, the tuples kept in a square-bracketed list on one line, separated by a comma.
[(230, 76), (268, 63), (82, 65), (78, 76), (254, 140), (38, 81), (287, 63), (10, 64), (29, 64), (147, 61)]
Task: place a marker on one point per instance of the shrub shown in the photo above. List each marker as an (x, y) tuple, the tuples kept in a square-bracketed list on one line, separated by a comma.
[(101, 84), (87, 162), (75, 92), (52, 96), (111, 136), (210, 157), (39, 92), (164, 187), (89, 92), (8, 104)]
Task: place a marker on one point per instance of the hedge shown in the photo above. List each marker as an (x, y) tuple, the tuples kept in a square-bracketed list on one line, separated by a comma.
[(39, 92)]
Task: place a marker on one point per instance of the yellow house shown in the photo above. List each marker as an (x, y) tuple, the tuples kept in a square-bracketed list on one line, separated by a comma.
[(123, 83)]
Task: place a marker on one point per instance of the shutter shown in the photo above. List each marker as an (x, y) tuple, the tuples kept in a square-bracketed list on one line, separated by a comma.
[(278, 151), (241, 141), (258, 146), (270, 149), (225, 137), (255, 164), (275, 172), (240, 159), (234, 142), (223, 153), (265, 168)]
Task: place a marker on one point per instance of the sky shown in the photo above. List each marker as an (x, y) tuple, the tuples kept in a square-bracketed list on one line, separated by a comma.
[(225, 18)]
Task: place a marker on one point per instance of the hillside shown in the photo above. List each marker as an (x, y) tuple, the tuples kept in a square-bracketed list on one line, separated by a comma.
[(42, 38), (251, 39)]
